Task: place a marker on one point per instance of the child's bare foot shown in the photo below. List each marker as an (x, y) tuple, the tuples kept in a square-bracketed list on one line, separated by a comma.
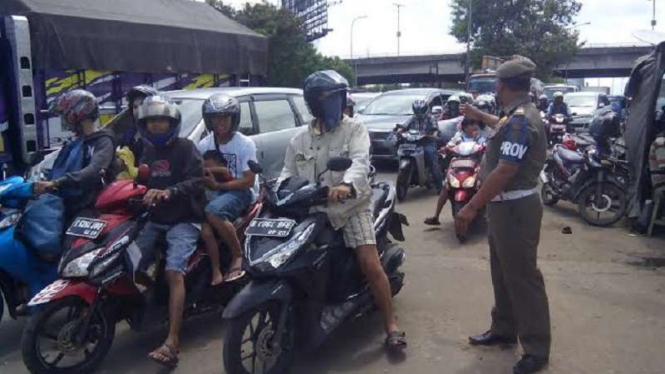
[(217, 278)]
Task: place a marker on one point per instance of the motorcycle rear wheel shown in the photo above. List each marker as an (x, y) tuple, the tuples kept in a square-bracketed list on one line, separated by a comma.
[(101, 333), (254, 331), (614, 203)]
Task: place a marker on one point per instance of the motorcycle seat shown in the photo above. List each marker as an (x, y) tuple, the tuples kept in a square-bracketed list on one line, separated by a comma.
[(570, 156), (379, 196)]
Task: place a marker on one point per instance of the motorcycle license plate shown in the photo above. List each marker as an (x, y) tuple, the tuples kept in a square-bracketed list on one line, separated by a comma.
[(86, 228), (278, 228), (407, 147)]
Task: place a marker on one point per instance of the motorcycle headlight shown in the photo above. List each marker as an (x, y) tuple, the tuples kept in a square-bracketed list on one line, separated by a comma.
[(454, 183), (78, 267), (9, 220), (469, 182), (283, 252)]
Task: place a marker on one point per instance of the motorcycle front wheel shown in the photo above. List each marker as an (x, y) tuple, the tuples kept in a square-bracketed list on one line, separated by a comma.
[(549, 197), (403, 183), (610, 208), (250, 342), (51, 343)]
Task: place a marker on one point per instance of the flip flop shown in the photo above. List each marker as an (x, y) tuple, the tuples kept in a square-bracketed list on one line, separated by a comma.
[(432, 221), (396, 340), (239, 273), (170, 353)]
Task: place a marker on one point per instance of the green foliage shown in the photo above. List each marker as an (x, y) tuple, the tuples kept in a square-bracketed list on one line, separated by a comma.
[(291, 57), (538, 29)]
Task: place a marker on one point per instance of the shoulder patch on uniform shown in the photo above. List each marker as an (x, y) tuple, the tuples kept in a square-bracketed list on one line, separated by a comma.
[(519, 111)]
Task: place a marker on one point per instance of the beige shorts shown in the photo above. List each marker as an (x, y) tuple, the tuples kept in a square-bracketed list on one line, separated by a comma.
[(359, 230)]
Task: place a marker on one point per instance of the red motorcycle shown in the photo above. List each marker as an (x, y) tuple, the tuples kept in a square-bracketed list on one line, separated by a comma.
[(74, 325), (462, 180)]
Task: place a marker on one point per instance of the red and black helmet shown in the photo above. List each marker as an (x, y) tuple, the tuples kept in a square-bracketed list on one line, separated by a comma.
[(75, 106)]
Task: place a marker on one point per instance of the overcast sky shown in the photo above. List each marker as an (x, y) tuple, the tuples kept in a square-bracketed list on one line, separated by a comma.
[(425, 25)]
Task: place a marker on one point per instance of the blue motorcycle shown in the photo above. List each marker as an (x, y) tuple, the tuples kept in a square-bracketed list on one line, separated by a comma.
[(23, 273)]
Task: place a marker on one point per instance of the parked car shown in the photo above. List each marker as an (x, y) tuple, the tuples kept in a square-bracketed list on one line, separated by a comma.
[(582, 105), (270, 116), (393, 108)]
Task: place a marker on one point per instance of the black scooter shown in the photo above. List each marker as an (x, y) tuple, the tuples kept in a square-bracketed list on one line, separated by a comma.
[(305, 281)]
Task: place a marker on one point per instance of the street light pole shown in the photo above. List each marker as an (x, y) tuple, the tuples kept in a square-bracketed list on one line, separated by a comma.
[(353, 24), (467, 66), (399, 35), (355, 64)]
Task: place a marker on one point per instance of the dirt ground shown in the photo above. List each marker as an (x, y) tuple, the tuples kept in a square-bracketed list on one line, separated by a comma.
[(607, 313)]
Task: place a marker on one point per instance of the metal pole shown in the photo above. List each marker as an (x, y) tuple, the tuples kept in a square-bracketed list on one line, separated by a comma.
[(355, 64), (399, 35), (653, 21), (467, 65)]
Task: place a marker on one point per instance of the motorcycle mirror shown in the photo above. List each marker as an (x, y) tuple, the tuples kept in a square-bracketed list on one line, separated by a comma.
[(143, 174), (254, 167), (339, 164)]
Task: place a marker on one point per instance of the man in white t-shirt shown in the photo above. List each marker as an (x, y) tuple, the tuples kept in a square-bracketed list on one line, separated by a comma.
[(221, 114)]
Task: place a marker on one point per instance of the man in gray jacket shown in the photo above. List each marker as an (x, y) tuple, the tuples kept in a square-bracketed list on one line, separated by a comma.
[(331, 134)]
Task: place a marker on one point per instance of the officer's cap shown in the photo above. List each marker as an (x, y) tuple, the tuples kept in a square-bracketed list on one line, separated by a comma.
[(518, 66)]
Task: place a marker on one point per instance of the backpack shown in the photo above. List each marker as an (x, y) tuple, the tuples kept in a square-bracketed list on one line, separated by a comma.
[(70, 159)]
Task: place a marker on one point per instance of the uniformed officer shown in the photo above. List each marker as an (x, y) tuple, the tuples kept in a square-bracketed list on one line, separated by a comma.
[(515, 156)]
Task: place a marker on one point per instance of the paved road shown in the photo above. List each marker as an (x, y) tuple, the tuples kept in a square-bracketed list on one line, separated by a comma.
[(607, 315)]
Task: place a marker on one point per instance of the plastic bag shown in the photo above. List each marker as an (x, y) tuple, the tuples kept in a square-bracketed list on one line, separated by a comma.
[(41, 227)]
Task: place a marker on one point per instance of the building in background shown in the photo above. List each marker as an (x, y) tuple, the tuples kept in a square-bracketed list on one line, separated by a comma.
[(314, 14)]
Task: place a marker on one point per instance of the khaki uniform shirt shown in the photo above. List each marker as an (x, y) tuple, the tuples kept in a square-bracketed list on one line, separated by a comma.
[(518, 138), (307, 156)]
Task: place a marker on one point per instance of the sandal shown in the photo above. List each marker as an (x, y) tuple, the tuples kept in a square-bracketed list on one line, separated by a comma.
[(432, 221), (396, 340), (234, 274), (165, 355)]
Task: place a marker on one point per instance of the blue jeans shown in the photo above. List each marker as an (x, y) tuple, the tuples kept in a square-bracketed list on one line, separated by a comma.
[(181, 241), (432, 161), (230, 205)]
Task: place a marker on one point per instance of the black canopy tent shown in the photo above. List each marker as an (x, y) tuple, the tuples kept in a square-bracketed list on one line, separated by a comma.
[(643, 91), (139, 35)]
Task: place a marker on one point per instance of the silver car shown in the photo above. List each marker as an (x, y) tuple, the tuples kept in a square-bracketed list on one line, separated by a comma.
[(270, 116)]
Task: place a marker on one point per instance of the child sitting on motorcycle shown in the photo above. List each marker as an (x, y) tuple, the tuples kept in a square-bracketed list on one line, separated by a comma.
[(176, 199), (469, 132), (425, 124), (221, 114), (215, 168)]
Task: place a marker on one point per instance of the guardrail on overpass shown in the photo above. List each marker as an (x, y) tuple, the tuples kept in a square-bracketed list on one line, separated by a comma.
[(593, 61)]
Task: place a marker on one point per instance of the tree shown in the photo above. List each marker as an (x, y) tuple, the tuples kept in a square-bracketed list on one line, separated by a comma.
[(291, 58), (538, 29)]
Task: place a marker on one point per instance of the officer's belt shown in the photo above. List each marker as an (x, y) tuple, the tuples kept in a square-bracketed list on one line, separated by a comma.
[(512, 195)]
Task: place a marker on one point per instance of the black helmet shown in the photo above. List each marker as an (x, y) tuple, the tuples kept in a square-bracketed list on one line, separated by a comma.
[(420, 108), (159, 106), (325, 82), (605, 124), (141, 91), (221, 103)]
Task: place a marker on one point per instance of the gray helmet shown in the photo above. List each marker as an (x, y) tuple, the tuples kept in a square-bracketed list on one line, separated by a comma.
[(420, 107), (74, 107), (454, 98), (325, 82), (485, 103), (159, 106), (558, 94), (221, 103), (543, 97)]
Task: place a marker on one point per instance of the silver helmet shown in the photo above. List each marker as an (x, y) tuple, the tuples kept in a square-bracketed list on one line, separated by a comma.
[(159, 106)]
